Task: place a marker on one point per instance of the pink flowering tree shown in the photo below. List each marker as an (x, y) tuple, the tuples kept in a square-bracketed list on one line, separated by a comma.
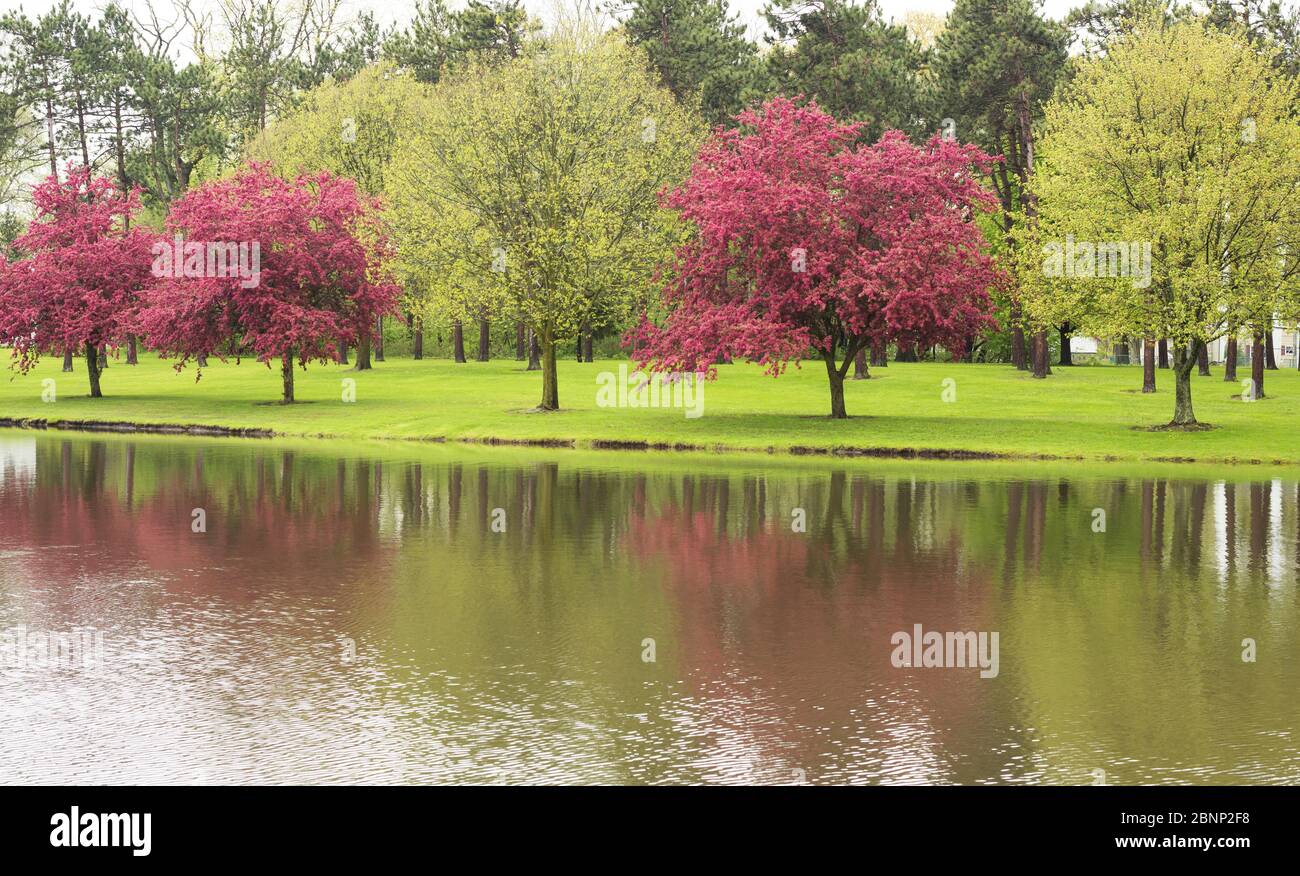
[(82, 268), (805, 239), (283, 269)]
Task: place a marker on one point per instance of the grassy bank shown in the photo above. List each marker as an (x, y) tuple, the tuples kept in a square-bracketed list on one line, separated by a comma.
[(1083, 412)]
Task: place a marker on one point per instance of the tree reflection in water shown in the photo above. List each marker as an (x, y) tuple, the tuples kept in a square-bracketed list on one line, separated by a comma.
[(484, 655)]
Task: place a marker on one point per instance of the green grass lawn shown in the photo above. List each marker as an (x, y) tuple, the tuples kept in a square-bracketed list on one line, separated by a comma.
[(1084, 412)]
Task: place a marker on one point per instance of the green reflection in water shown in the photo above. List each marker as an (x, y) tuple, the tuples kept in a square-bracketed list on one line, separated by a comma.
[(517, 655)]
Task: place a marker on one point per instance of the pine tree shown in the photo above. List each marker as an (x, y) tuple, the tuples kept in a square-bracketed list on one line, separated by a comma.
[(997, 62), (700, 52), (857, 66)]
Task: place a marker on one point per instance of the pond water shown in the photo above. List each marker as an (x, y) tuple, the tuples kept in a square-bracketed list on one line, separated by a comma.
[(194, 611)]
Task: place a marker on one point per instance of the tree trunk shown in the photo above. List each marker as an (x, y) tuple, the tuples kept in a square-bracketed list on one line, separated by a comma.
[(417, 337), (534, 352), (879, 354), (286, 374), (521, 342), (836, 378), (343, 354), (79, 104), (1019, 356), (132, 351), (860, 365), (550, 376), (201, 360), (1029, 205), (1040, 355), (50, 140), (363, 353), (1203, 361), (1230, 359), (458, 341), (1185, 358), (1149, 365), (1067, 357), (1257, 365), (119, 150), (484, 341), (103, 358), (67, 361), (92, 369), (379, 338), (1164, 353), (906, 353), (1270, 357), (587, 347)]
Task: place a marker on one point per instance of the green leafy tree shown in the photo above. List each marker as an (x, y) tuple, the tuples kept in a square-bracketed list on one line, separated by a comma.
[(1168, 202), (273, 49), (1266, 22), (349, 128), (699, 50), (529, 190), (35, 64), (1097, 22), (857, 66), (492, 31), (424, 47), (360, 44), (997, 61), (484, 33)]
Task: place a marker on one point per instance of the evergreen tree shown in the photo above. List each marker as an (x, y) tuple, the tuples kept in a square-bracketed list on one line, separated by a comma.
[(35, 63), (997, 62), (700, 52), (856, 65), (424, 47), (491, 30)]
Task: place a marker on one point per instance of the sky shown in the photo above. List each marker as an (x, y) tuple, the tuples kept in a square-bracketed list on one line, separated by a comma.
[(401, 11)]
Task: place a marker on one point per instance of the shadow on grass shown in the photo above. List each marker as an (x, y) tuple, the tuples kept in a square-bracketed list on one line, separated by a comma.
[(1176, 427)]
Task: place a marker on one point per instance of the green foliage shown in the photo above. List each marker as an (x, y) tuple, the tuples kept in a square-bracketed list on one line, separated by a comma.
[(1097, 22), (1266, 23), (1182, 137), (700, 52), (989, 54), (439, 40), (1180, 140), (265, 63), (996, 62), (108, 93), (11, 226), (349, 128), (182, 124), (360, 44), (425, 47), (856, 65), (528, 191), (492, 31)]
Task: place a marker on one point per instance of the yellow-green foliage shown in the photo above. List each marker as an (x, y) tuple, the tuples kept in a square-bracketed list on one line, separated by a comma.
[(1182, 137), (350, 129), (529, 190)]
